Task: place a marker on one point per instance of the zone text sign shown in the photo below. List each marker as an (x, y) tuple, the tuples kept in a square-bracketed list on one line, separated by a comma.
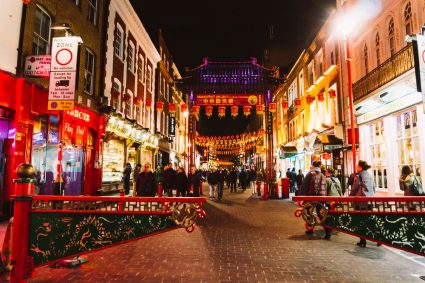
[(63, 73)]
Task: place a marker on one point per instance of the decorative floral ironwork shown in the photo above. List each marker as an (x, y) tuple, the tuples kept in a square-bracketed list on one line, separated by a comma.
[(186, 214), (314, 213)]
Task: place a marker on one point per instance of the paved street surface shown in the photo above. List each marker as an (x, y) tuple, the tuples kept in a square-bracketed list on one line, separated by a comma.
[(243, 240)]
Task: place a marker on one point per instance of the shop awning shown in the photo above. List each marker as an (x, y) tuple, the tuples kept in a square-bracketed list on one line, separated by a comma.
[(329, 139), (329, 143), (288, 152)]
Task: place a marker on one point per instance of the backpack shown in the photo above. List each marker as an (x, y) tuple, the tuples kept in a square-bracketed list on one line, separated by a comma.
[(315, 185), (417, 187), (334, 189)]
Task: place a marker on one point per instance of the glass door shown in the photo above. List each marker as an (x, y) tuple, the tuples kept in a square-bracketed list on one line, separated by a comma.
[(73, 168)]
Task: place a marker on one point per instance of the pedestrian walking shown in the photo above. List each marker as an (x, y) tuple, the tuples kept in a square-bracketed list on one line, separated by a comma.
[(253, 181), (314, 184), (233, 179), (126, 178), (243, 179), (181, 182), (293, 181), (194, 182), (299, 180), (136, 172), (333, 188), (146, 182), (212, 182), (363, 185), (220, 185), (170, 180)]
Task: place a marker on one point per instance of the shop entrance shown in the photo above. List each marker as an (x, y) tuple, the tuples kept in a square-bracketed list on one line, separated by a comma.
[(4, 130), (73, 170)]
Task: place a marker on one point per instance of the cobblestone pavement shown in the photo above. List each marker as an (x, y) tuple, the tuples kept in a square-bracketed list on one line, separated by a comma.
[(243, 240)]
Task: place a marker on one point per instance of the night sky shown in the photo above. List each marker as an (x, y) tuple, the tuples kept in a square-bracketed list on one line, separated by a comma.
[(233, 30)]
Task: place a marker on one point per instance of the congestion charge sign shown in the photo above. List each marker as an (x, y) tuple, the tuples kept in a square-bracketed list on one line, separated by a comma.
[(63, 73)]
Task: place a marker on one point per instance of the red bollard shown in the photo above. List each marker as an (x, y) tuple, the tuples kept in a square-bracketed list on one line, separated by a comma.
[(121, 203), (159, 189), (265, 193), (259, 189)]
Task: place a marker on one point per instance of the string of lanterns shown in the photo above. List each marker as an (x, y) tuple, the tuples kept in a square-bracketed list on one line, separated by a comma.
[(229, 141), (309, 99)]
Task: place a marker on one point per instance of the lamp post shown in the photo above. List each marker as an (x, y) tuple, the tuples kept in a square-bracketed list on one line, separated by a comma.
[(186, 114)]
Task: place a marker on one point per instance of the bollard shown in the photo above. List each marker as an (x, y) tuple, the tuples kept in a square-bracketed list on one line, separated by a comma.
[(265, 192), (259, 188), (160, 189), (24, 186), (121, 203), (278, 191)]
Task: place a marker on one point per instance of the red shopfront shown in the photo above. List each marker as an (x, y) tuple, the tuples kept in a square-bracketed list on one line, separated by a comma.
[(77, 134)]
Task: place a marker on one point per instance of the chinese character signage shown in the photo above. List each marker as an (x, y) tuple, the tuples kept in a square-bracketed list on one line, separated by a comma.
[(172, 126), (228, 99)]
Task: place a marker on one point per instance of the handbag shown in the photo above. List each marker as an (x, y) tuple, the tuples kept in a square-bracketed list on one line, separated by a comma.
[(361, 188)]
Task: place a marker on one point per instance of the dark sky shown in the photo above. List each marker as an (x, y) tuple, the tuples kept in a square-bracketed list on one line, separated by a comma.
[(231, 30)]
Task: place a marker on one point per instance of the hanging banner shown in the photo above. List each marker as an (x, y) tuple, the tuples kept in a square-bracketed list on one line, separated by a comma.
[(228, 99)]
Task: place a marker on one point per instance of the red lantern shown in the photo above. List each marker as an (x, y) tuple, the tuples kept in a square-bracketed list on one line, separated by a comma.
[(309, 99), (326, 156), (260, 109), (332, 93), (148, 103), (115, 93), (234, 111), (26, 1), (137, 100), (247, 110), (159, 105), (272, 107), (126, 97), (209, 111), (171, 107), (196, 109), (297, 102), (285, 104), (183, 108), (321, 96), (221, 111)]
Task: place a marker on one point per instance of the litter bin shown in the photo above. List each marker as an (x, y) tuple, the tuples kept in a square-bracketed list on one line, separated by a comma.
[(285, 187)]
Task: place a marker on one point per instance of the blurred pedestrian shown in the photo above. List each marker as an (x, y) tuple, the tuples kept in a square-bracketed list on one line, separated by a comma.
[(136, 172), (409, 184), (233, 179), (299, 180), (181, 182), (146, 182), (363, 185), (194, 182), (126, 178), (253, 180), (293, 180), (170, 179), (212, 182)]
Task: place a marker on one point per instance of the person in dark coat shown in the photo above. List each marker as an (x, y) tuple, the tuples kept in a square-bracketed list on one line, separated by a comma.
[(232, 180), (181, 182), (194, 181), (293, 180), (212, 182), (299, 180), (253, 180), (220, 185), (243, 179), (146, 182), (126, 178), (170, 180)]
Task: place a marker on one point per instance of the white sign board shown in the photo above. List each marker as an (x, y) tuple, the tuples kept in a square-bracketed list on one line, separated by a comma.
[(63, 72), (37, 66), (421, 64)]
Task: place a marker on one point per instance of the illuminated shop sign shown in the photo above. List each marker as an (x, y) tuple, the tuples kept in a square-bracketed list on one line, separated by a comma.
[(391, 107), (128, 131), (79, 115)]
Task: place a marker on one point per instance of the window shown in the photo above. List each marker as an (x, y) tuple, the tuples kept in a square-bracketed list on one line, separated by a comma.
[(301, 83), (366, 67), (149, 78), (128, 102), (41, 36), (310, 74), (130, 57), (319, 60), (116, 93), (408, 142), (92, 16), (408, 18), (378, 49), (89, 72), (140, 69), (379, 154), (391, 36), (119, 41)]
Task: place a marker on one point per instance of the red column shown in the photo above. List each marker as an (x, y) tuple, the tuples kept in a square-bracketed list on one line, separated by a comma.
[(160, 189), (350, 99)]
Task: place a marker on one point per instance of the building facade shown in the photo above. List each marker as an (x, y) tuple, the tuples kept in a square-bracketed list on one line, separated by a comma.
[(308, 118), (387, 105), (129, 88)]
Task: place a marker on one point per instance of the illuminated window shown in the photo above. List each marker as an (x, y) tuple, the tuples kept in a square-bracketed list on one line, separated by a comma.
[(408, 142), (310, 73), (391, 36), (408, 18), (116, 93), (128, 102), (140, 69), (378, 49), (130, 56), (41, 35), (379, 154), (366, 63), (149, 78)]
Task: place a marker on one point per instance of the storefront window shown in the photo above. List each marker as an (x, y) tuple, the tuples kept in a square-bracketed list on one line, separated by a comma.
[(378, 150), (408, 141), (113, 161)]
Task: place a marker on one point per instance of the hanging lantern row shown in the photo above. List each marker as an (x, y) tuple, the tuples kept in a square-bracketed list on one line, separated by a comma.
[(309, 99), (260, 132)]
